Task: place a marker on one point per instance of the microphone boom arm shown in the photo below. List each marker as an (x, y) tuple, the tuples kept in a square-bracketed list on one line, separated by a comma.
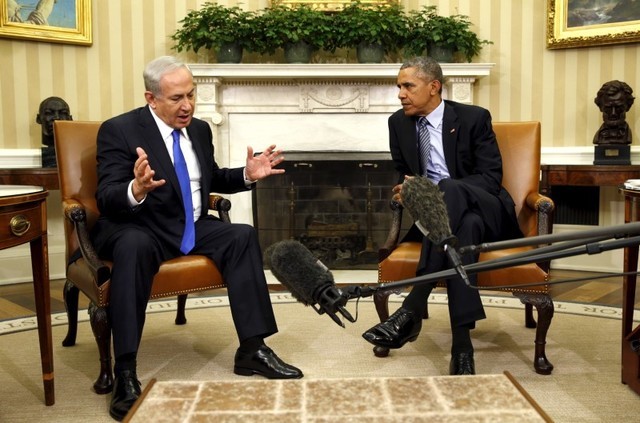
[(616, 231), (541, 254)]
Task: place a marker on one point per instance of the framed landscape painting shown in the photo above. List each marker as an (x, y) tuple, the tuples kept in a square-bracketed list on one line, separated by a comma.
[(56, 21), (585, 23)]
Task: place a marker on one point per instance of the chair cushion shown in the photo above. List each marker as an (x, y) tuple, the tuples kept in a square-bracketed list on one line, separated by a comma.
[(180, 275), (403, 261), (185, 274)]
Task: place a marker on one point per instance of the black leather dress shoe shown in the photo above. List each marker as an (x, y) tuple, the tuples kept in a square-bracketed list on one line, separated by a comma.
[(462, 364), (264, 362), (126, 390), (401, 327)]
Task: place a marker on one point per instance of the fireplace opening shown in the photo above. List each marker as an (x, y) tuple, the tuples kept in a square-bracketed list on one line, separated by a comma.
[(335, 203)]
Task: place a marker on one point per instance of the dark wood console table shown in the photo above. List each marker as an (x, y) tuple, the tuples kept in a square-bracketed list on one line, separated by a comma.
[(46, 177), (585, 175)]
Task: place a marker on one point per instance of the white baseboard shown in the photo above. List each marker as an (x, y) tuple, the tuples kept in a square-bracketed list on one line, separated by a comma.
[(16, 265)]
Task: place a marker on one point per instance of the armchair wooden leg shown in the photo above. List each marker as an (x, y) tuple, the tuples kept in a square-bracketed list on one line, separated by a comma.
[(102, 332), (381, 301), (529, 320), (181, 318), (544, 305), (70, 295)]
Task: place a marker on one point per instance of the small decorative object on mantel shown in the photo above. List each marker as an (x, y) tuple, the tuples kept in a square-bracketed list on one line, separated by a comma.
[(613, 138), (51, 108)]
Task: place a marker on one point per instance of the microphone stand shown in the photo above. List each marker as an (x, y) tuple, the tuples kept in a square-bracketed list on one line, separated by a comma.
[(616, 231), (591, 242)]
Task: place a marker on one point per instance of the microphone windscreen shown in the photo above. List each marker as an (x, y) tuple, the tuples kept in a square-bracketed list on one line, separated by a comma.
[(297, 269), (425, 203)]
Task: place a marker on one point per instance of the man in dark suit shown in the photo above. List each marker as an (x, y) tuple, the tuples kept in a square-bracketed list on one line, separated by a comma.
[(454, 146), (143, 222)]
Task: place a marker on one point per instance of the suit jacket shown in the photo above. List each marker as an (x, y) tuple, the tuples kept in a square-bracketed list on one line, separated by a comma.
[(161, 213), (470, 149)]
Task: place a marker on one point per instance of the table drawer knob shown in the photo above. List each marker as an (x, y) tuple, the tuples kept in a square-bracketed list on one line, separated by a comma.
[(19, 225)]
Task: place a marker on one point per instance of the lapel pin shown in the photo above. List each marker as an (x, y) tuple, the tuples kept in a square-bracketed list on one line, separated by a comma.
[(452, 131)]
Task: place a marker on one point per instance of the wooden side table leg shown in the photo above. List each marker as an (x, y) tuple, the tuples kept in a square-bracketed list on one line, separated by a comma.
[(628, 302), (40, 268), (630, 361)]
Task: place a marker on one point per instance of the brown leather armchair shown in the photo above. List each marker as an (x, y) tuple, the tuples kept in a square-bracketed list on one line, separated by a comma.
[(75, 146), (519, 144)]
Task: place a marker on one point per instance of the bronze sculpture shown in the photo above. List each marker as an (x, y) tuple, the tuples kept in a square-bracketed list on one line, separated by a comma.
[(614, 99), (51, 109)]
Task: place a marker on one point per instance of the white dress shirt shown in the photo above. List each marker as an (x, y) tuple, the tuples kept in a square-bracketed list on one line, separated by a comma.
[(437, 168)]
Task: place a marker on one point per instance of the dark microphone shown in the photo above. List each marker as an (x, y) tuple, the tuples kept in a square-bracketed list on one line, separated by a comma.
[(307, 278), (425, 203)]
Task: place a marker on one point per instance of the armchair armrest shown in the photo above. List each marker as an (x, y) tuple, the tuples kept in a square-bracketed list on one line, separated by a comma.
[(544, 207), (221, 205), (393, 235), (77, 215)]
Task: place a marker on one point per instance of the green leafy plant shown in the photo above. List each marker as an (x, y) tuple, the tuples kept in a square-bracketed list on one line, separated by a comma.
[(356, 25), (212, 26), (280, 25), (427, 29), (384, 24)]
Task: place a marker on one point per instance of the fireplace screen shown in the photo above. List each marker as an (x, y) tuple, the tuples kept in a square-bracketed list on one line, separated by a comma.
[(337, 206)]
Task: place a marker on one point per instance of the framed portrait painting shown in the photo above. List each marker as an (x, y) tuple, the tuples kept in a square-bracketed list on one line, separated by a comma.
[(585, 23), (56, 21)]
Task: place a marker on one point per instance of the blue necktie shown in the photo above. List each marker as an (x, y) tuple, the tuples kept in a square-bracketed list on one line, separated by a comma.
[(424, 143), (189, 235)]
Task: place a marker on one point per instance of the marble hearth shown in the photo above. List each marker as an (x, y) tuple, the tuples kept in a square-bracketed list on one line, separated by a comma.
[(306, 107)]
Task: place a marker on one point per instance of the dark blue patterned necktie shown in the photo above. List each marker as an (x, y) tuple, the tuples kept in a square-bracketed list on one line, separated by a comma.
[(424, 143), (189, 235)]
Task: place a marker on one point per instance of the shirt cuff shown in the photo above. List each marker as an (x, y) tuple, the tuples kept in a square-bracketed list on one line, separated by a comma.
[(248, 182), (131, 199)]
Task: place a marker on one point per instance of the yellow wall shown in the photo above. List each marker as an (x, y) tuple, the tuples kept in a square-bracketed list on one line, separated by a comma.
[(528, 82)]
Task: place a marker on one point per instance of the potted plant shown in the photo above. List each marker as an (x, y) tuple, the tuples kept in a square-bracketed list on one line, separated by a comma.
[(441, 36), (366, 27), (227, 30), (299, 29)]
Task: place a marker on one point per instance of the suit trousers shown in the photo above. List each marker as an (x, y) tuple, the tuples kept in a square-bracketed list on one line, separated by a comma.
[(475, 216), (137, 256)]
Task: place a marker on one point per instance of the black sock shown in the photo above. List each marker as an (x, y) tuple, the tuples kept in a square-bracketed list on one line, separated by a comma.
[(251, 345), (461, 340), (125, 362), (416, 301)]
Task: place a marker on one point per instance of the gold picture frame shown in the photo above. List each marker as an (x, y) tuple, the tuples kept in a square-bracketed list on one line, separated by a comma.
[(569, 25), (55, 21), (328, 5)]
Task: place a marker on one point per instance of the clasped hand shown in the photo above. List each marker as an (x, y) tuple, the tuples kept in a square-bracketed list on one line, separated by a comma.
[(397, 190)]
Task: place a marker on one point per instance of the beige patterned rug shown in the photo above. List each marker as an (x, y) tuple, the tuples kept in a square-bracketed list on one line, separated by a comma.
[(583, 344), (491, 398)]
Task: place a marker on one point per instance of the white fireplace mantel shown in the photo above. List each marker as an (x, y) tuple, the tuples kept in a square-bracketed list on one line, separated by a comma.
[(326, 70), (307, 107), (459, 79)]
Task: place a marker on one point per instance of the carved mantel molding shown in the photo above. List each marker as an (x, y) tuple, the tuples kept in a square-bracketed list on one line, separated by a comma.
[(320, 87)]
